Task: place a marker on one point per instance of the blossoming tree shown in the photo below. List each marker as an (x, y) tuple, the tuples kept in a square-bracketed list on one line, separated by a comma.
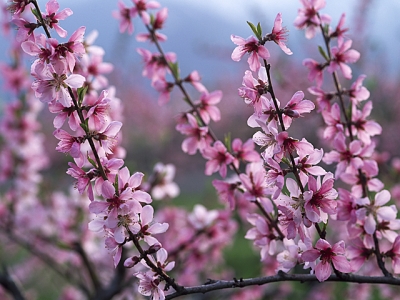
[(107, 238)]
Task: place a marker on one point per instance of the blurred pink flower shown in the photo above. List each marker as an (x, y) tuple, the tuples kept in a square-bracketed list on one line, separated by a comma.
[(341, 55), (309, 18)]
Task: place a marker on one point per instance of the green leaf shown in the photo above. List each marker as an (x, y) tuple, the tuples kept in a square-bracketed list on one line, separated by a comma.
[(92, 162), (286, 161), (84, 126), (227, 141), (152, 19), (115, 184), (81, 94), (255, 30), (259, 30), (175, 70), (35, 13), (322, 52)]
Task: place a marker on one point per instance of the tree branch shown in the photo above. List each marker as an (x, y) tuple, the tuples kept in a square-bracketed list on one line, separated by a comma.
[(8, 284), (214, 285)]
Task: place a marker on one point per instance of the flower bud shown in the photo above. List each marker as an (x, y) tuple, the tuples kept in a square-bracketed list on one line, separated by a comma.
[(131, 261), (291, 113), (153, 249)]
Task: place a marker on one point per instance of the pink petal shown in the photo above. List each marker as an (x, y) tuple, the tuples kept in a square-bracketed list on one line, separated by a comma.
[(323, 271)]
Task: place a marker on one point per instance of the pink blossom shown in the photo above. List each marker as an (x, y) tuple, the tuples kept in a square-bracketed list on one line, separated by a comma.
[(68, 143), (320, 197), (268, 140), (124, 15), (145, 230), (18, 6), (275, 176), (97, 110), (41, 47), (252, 46), (244, 151), (307, 163), (332, 118), (341, 55), (368, 171), (198, 136), (207, 106), (15, 77), (163, 185), (128, 216), (157, 24), (358, 92), (263, 235), (370, 213), (358, 253), (25, 30), (361, 127), (107, 138), (346, 206), (52, 18), (111, 168), (252, 89), (93, 68), (218, 158), (226, 191), (289, 145), (156, 66), (195, 79), (328, 254), (141, 7), (116, 196), (70, 50), (287, 221), (64, 113), (255, 184), (323, 99), (114, 248), (316, 71), (52, 83), (340, 30), (164, 88), (83, 179), (394, 254), (291, 256), (160, 261), (296, 107), (202, 218), (309, 18), (150, 285), (279, 35), (347, 156)]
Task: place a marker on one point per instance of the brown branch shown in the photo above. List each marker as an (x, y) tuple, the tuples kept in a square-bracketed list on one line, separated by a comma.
[(9, 285), (65, 273), (281, 276), (144, 255)]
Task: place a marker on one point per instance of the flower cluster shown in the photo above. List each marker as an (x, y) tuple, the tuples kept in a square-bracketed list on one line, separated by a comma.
[(69, 78), (286, 200)]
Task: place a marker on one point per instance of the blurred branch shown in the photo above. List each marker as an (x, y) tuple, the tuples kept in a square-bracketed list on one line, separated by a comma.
[(213, 285), (49, 261), (89, 267), (8, 283), (117, 283)]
